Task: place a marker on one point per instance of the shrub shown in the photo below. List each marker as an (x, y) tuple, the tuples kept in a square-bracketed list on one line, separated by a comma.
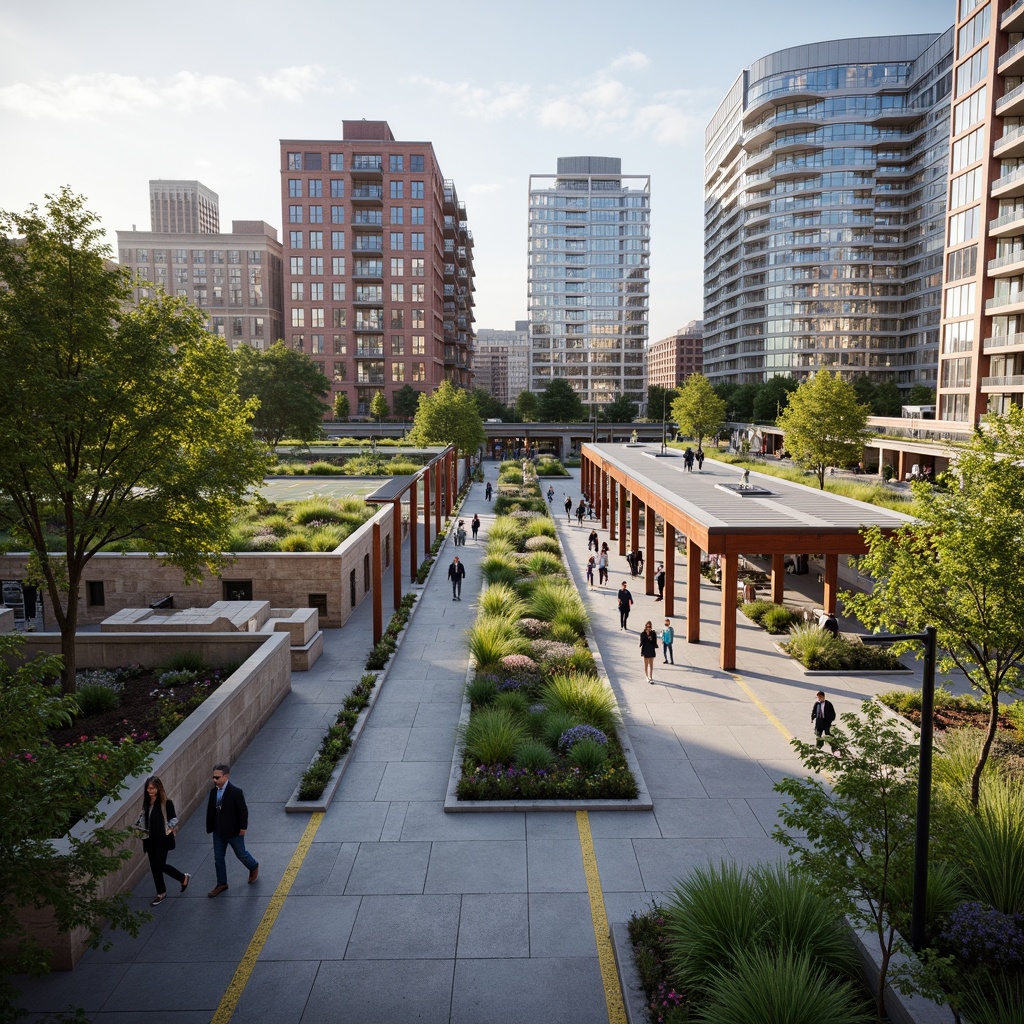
[(513, 701), (551, 653), (543, 563), (547, 545), (549, 597), (540, 526), (991, 847), (481, 691), (982, 936), (327, 538), (324, 468), (588, 756), (492, 735), (93, 699), (500, 599), (818, 650), (994, 999), (579, 733), (535, 629), (294, 542), (310, 509), (506, 529), (778, 619), (756, 610), (499, 569), (533, 754), (176, 677), (586, 698), (491, 638), (553, 723)]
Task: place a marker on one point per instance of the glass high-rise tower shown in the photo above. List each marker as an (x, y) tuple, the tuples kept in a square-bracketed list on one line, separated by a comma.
[(589, 278)]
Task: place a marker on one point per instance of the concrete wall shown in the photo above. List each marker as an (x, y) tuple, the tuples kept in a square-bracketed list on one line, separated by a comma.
[(219, 730)]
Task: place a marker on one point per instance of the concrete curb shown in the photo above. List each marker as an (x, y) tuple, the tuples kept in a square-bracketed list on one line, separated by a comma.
[(633, 998)]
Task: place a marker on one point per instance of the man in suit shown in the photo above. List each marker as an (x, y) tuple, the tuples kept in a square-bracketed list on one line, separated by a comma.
[(823, 715), (227, 817)]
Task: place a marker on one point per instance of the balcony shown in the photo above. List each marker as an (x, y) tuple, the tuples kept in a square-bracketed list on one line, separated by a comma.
[(367, 163), (1004, 305), (366, 322), (367, 194), (1014, 383), (370, 378), (1009, 185), (1011, 103), (1010, 143), (1013, 18), (1009, 223), (368, 270), (1007, 265), (368, 297), (1003, 343), (1012, 61)]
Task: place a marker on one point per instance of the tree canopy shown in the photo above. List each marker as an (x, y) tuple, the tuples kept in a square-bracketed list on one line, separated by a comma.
[(342, 407), (825, 424), (119, 422), (659, 402), (405, 400), (290, 390), (559, 403), (960, 568), (43, 790), (527, 406), (771, 398), (698, 410), (379, 406), (448, 416), (490, 408), (622, 410)]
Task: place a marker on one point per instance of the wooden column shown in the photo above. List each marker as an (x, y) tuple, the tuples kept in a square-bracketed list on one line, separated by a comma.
[(831, 583), (427, 482), (438, 477), (376, 586), (634, 523), (778, 578), (612, 492), (602, 477), (622, 519), (650, 522), (692, 592), (414, 529), (396, 550), (670, 569), (730, 576)]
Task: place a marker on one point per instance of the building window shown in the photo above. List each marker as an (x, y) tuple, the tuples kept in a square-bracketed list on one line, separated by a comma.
[(316, 317), (366, 573), (181, 255), (298, 291), (418, 319), (319, 602), (397, 190), (416, 241), (397, 240), (397, 345), (338, 240), (236, 327), (316, 265), (337, 262), (397, 318), (299, 342), (298, 317), (294, 161), (397, 215), (216, 255), (395, 164), (398, 372), (337, 161), (295, 214), (338, 291), (352, 587), (316, 188), (294, 239), (337, 214), (416, 162), (419, 345), (339, 372), (337, 188), (418, 268), (417, 292), (417, 190), (297, 263), (316, 345), (338, 317), (257, 327), (94, 594), (316, 215), (313, 161), (419, 372), (340, 345), (417, 215), (295, 188), (397, 292), (316, 239)]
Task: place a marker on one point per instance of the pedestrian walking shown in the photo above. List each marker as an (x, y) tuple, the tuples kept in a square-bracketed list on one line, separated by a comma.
[(591, 562), (460, 534), (638, 561), (700, 458), (456, 573), (590, 509), (659, 578), (823, 714), (625, 599), (488, 491), (668, 635), (551, 494), (648, 650), (227, 817), (475, 526), (631, 562), (159, 822), (592, 541), (568, 509), (581, 511), (602, 566)]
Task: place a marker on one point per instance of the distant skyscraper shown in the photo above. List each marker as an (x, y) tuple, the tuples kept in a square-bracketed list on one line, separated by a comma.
[(183, 207), (824, 208), (589, 278), (671, 360), (235, 278), (500, 362), (379, 264)]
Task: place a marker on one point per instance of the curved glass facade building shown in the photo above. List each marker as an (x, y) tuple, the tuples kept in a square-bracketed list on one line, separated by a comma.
[(825, 195)]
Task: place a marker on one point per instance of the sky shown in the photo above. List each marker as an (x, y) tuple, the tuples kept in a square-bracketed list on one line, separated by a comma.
[(105, 95)]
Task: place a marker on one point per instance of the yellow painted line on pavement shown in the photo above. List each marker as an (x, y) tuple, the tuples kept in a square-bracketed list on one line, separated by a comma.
[(761, 706), (605, 955), (229, 1002)]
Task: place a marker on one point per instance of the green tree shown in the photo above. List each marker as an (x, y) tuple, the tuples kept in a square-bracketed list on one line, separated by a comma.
[(342, 409), (448, 416), (43, 790), (405, 400), (959, 566), (855, 835), (919, 394), (888, 400), (771, 398), (488, 406), (289, 388), (864, 388), (559, 403), (698, 410), (527, 406), (825, 424), (622, 410), (379, 406), (119, 422), (659, 402), (740, 404)]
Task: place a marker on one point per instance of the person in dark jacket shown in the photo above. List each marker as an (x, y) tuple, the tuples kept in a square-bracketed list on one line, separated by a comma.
[(625, 599), (160, 823), (227, 817), (649, 650), (456, 573), (659, 579), (593, 541), (488, 491), (823, 714), (475, 526)]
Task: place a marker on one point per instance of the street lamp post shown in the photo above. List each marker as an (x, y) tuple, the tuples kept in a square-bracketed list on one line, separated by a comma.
[(924, 775), (664, 396)]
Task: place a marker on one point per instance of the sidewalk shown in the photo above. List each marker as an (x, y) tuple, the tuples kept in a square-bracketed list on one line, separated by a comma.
[(400, 911)]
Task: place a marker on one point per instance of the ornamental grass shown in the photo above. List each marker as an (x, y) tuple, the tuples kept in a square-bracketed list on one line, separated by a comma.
[(586, 698), (492, 735), (500, 599), (492, 638)]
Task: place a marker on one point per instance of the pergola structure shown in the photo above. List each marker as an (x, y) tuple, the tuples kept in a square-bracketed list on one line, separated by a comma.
[(439, 475), (721, 511)]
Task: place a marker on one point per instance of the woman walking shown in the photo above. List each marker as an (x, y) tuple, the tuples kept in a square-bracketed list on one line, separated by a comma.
[(602, 565), (649, 650), (475, 526), (590, 571), (161, 826)]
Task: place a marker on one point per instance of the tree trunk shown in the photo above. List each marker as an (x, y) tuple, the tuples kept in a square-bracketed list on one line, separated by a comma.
[(986, 747)]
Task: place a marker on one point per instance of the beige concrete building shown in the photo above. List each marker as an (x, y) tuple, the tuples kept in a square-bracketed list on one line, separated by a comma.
[(183, 207), (500, 362)]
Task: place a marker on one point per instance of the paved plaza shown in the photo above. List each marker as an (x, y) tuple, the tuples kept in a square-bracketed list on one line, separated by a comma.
[(392, 909)]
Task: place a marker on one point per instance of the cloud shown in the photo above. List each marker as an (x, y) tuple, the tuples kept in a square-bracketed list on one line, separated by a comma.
[(632, 59), (481, 188), (106, 94), (503, 100)]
